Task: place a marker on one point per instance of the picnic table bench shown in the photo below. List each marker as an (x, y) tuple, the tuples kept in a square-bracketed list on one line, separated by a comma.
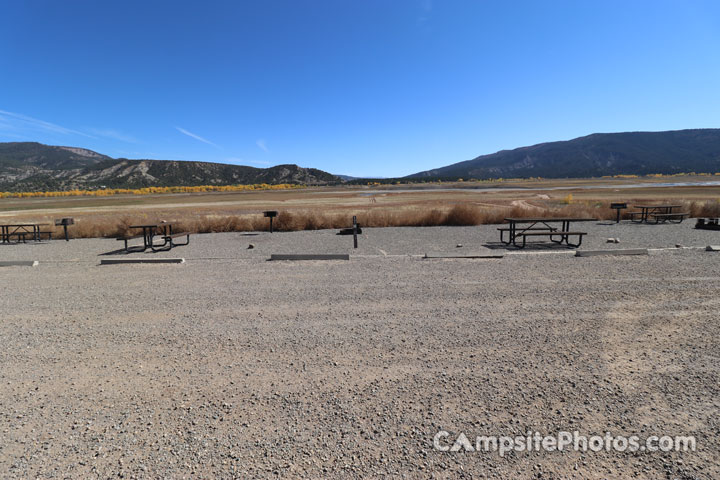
[(669, 217), (658, 213), (149, 232), (522, 228)]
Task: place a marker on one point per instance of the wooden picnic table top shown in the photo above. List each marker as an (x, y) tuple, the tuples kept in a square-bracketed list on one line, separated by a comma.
[(23, 224), (657, 206), (558, 219), (152, 225)]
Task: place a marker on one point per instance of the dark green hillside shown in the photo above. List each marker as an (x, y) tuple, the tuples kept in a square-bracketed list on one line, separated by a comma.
[(30, 154), (600, 154), (32, 166)]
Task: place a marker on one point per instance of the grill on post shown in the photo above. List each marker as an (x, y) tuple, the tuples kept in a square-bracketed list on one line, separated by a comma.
[(65, 222), (270, 214), (618, 207)]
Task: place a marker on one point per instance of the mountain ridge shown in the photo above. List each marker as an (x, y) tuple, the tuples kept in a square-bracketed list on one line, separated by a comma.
[(33, 166), (595, 155)]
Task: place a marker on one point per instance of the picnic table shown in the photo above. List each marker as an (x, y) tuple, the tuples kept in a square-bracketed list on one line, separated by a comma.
[(556, 229), (659, 213), (22, 231), (149, 231)]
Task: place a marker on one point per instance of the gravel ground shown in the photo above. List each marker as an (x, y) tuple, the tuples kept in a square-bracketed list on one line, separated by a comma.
[(372, 242), (232, 366)]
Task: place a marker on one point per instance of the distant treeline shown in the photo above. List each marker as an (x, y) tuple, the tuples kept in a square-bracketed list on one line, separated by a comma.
[(107, 192)]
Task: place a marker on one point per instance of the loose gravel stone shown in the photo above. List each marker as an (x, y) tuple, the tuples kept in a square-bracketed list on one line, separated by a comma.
[(230, 366)]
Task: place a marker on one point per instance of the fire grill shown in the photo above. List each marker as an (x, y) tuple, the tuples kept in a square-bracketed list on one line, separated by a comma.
[(65, 222)]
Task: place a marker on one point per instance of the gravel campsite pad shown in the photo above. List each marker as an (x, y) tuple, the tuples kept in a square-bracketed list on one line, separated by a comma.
[(233, 366)]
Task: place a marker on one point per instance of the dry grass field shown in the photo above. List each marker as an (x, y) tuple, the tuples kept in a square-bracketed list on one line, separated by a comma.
[(464, 203)]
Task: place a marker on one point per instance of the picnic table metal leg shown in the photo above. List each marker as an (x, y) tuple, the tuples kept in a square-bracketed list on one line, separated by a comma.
[(136, 249), (575, 245), (523, 242), (513, 234), (502, 238), (176, 244), (563, 238), (150, 239), (167, 245)]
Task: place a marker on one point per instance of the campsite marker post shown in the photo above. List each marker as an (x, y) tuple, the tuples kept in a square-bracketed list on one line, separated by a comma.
[(355, 229)]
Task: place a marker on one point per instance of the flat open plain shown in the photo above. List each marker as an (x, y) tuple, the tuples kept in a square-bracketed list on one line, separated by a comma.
[(377, 206), (232, 366)]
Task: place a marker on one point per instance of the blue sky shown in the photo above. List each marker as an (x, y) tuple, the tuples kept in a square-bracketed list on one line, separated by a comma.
[(365, 87)]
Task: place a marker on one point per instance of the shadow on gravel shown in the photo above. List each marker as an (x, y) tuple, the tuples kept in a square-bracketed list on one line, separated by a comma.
[(26, 244), (116, 252)]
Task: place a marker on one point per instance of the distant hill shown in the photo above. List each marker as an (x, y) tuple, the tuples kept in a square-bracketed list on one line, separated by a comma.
[(600, 154), (29, 166), (346, 178)]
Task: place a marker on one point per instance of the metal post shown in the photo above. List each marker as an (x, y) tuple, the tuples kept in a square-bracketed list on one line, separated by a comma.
[(64, 222), (270, 214), (619, 207), (354, 231)]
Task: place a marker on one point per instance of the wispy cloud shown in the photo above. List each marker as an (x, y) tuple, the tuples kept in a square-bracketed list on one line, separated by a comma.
[(14, 136), (18, 125), (18, 122), (260, 142), (113, 134), (426, 7), (197, 137)]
